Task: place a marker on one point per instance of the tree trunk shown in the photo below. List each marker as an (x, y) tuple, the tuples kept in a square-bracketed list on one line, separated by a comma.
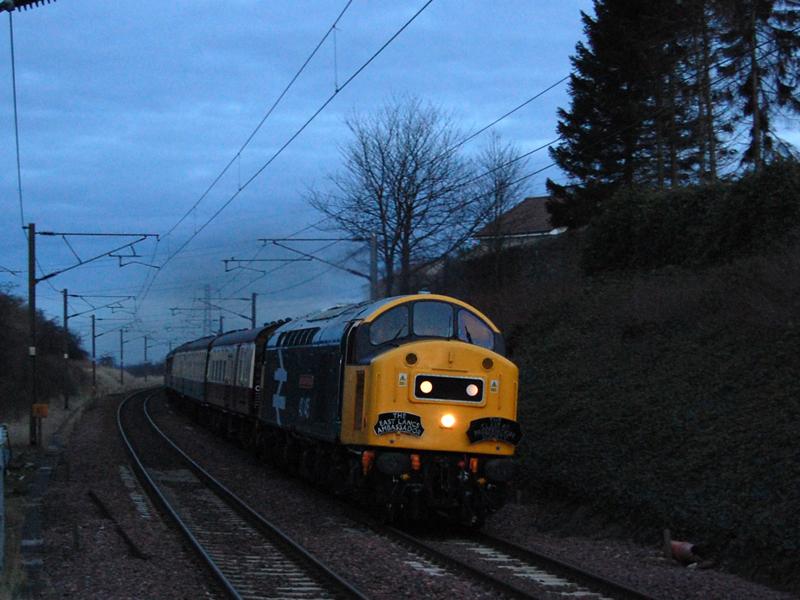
[(405, 257), (673, 135), (709, 132), (659, 137), (754, 86)]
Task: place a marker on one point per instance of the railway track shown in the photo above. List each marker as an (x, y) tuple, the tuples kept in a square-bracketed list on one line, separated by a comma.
[(520, 572), (506, 570), (249, 557)]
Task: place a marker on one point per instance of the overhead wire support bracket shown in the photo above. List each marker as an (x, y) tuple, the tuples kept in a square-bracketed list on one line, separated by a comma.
[(111, 253), (112, 305), (322, 260), (118, 299), (11, 5), (223, 309), (252, 260), (11, 271)]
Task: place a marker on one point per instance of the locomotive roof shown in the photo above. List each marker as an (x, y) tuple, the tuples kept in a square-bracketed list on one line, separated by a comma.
[(332, 322)]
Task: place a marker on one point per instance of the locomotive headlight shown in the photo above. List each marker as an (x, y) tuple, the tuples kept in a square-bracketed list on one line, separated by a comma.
[(426, 387), (447, 421), (472, 390)]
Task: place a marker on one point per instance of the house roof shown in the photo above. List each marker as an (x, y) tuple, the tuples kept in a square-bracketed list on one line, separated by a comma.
[(529, 217)]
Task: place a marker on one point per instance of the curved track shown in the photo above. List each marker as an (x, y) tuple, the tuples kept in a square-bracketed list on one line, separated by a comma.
[(520, 572), (503, 568), (248, 556)]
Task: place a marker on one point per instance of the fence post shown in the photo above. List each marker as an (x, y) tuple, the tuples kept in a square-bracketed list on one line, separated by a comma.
[(5, 455)]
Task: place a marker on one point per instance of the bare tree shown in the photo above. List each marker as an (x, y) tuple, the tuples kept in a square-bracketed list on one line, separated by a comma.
[(498, 190), (403, 181)]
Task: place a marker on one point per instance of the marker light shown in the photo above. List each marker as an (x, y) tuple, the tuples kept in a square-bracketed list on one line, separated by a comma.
[(447, 421), (426, 387), (472, 390), (367, 458)]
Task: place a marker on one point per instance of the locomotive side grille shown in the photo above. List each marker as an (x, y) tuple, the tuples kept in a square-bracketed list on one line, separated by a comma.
[(358, 413)]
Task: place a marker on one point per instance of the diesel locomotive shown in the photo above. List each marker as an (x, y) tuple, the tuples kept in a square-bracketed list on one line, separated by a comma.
[(407, 402)]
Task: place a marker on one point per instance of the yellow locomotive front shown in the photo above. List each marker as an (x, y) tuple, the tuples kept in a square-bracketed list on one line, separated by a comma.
[(430, 402)]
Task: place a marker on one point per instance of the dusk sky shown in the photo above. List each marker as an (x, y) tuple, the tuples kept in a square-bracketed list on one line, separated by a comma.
[(129, 111)]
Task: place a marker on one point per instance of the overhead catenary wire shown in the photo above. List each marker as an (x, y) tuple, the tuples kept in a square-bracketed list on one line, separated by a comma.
[(452, 148), (469, 180), (151, 276), (269, 112), (16, 137), (289, 141), (296, 134), (525, 177), (16, 118)]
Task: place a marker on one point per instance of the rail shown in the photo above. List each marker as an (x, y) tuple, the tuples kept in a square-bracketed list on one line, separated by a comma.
[(285, 546)]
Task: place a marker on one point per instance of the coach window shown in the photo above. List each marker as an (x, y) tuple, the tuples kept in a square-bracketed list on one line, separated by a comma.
[(433, 319), (391, 325), (473, 330)]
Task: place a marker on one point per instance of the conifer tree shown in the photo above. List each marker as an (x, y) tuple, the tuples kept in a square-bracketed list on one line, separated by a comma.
[(597, 150), (628, 122), (761, 42)]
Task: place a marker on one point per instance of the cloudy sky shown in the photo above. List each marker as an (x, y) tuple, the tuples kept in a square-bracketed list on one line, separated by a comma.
[(129, 111)]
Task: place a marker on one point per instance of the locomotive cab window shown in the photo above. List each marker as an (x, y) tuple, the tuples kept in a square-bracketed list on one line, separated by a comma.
[(419, 320), (473, 330), (391, 325), (433, 319)]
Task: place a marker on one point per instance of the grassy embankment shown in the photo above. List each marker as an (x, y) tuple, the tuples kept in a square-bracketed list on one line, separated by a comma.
[(667, 398)]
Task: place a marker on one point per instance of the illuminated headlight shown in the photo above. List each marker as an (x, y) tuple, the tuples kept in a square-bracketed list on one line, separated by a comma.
[(426, 387), (472, 390), (447, 421)]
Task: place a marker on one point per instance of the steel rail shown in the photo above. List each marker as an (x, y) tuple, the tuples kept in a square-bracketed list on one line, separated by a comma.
[(155, 493), (571, 572), (437, 556), (343, 587), (566, 568)]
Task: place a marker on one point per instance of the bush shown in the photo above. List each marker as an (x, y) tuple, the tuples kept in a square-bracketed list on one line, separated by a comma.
[(642, 228), (14, 375), (671, 399)]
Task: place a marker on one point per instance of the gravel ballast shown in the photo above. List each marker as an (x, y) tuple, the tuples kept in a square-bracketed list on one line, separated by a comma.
[(86, 556)]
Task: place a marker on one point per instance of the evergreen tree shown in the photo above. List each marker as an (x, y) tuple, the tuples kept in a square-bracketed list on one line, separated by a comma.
[(712, 127), (761, 42), (628, 122)]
